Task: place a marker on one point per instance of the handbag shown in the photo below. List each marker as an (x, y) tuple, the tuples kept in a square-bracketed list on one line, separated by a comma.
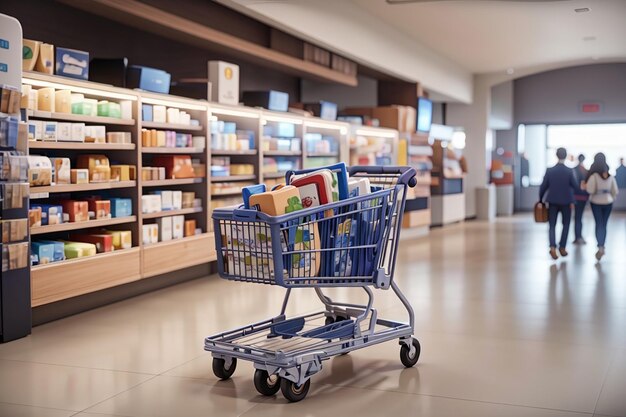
[(541, 212)]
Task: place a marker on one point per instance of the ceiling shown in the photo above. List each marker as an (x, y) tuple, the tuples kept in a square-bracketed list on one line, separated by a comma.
[(494, 35)]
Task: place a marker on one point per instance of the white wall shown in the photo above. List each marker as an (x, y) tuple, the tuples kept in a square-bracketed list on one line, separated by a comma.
[(343, 27)]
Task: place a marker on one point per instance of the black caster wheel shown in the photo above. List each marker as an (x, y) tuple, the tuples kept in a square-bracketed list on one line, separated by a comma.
[(220, 370), (405, 356), (294, 392), (329, 320), (265, 383)]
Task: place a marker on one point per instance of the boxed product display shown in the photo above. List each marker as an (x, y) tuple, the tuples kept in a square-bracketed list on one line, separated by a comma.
[(61, 170), (42, 253), (98, 165), (118, 137), (146, 112), (121, 173), (190, 227), (148, 79), (30, 54), (121, 207), (100, 208), (177, 200), (79, 250), (178, 227), (34, 216), (271, 100), (78, 211), (151, 203), (224, 79), (64, 132), (95, 134), (72, 63), (63, 101), (122, 239), (50, 213), (109, 109), (187, 199), (79, 176), (176, 166), (150, 233), (103, 242), (39, 170), (59, 250), (46, 99), (78, 132), (49, 131), (165, 199), (165, 228)]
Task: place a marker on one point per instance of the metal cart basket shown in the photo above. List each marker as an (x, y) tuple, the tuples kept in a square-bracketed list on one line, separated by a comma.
[(349, 243)]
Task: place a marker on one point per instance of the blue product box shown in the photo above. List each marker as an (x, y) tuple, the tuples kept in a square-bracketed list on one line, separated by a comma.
[(229, 127), (146, 112), (121, 207), (43, 253), (271, 100), (72, 63), (181, 140), (148, 79), (328, 110), (286, 130), (59, 250), (50, 213)]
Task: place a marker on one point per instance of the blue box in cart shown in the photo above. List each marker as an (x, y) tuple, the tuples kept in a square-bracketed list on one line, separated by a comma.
[(72, 63), (121, 207)]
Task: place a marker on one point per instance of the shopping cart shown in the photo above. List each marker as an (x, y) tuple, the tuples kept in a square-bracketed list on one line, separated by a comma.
[(349, 243)]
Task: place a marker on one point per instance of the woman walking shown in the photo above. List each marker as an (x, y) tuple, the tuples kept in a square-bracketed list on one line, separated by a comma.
[(602, 189)]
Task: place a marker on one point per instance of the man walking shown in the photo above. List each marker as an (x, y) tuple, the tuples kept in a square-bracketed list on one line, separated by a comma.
[(559, 183), (581, 196)]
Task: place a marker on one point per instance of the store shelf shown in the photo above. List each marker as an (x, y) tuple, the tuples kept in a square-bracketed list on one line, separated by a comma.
[(169, 150), (64, 227), (163, 257), (61, 280), (282, 153), (37, 114), (234, 178), (273, 175), (322, 155), (171, 126), (166, 183), (227, 193), (81, 146), (167, 213), (70, 188), (221, 152)]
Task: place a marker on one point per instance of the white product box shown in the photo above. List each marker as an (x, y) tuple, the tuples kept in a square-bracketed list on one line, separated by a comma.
[(38, 129), (150, 203), (161, 173), (184, 118), (78, 132), (178, 227), (198, 142), (64, 132), (94, 106), (177, 200), (150, 233), (224, 79), (165, 228), (159, 114), (173, 115), (126, 109), (166, 199), (49, 131)]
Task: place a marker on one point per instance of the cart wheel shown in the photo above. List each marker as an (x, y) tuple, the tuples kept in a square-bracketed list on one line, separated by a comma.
[(329, 320), (405, 353), (266, 384), (220, 370), (294, 392)]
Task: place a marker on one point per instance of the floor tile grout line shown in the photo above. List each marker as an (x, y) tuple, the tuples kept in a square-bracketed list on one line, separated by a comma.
[(79, 367), (37, 406), (606, 376)]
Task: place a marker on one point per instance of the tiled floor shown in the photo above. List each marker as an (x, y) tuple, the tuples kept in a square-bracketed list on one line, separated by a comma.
[(504, 332)]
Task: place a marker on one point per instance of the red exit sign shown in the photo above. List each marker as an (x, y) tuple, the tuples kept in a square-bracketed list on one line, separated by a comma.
[(590, 107)]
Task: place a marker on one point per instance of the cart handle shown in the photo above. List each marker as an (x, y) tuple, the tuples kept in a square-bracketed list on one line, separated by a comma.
[(406, 174)]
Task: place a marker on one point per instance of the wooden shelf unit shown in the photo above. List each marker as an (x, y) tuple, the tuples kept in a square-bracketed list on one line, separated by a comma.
[(222, 152), (64, 227), (171, 150), (234, 178), (80, 118), (166, 213), (82, 146), (172, 182), (92, 186), (171, 126)]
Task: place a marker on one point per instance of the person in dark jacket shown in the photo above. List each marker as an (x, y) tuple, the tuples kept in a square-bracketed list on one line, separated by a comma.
[(581, 196), (620, 174), (559, 183)]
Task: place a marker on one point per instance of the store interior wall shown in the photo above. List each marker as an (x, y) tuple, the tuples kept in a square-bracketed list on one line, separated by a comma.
[(66, 26), (554, 97), (363, 95)]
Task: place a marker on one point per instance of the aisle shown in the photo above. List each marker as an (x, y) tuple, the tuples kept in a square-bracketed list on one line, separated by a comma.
[(504, 330)]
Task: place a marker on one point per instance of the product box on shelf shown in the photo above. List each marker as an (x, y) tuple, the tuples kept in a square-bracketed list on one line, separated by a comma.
[(190, 227), (39, 170), (165, 199), (109, 109), (78, 211), (126, 109), (59, 250), (46, 99), (121, 207), (95, 134), (121, 173), (98, 165), (271, 100), (34, 216), (63, 101), (30, 53), (118, 137), (178, 227), (49, 131), (64, 132), (72, 63), (151, 203), (122, 239), (224, 79), (79, 250), (148, 79), (78, 132), (187, 199), (50, 213), (35, 130), (103, 242), (61, 170), (323, 109), (42, 253), (150, 233), (146, 112), (100, 208), (159, 114), (176, 166), (177, 200), (165, 228), (79, 176)]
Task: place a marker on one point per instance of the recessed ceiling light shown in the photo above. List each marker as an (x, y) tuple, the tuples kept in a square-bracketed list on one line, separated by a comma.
[(589, 38), (582, 10), (510, 71)]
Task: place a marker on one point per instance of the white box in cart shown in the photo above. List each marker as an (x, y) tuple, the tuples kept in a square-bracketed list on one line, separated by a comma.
[(177, 200), (224, 79), (178, 227), (150, 233), (165, 228)]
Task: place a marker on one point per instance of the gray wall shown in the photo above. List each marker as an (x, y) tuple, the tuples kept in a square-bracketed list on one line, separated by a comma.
[(554, 97), (363, 95), (501, 111)]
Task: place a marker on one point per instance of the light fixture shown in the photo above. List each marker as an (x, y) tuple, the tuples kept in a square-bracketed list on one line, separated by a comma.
[(459, 139), (237, 113), (375, 133), (510, 71), (321, 125), (169, 103), (282, 119), (582, 10), (81, 90)]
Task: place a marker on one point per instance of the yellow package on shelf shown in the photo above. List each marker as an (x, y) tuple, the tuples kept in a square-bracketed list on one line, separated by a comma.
[(79, 249), (122, 239)]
